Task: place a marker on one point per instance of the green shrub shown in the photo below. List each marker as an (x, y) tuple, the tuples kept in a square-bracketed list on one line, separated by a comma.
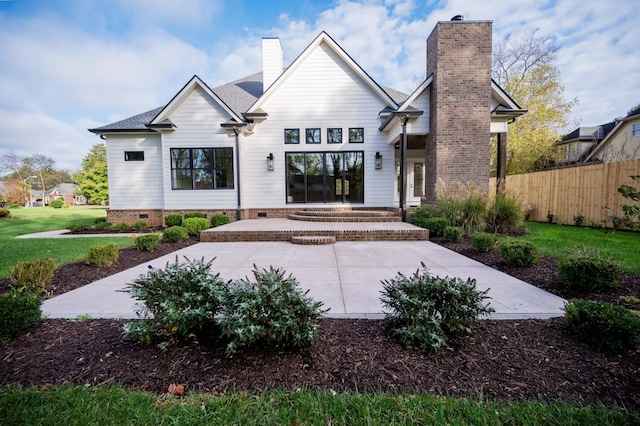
[(602, 325), (436, 225), (453, 234), (174, 234), (121, 227), (4, 212), (484, 242), (505, 214), (33, 275), (57, 203), (578, 219), (102, 255), (101, 226), (173, 220), (147, 242), (587, 270), (272, 311), (519, 253), (219, 220), (98, 220), (194, 214), (139, 225), (19, 310), (426, 310), (195, 225), (418, 215), (180, 299), (78, 227)]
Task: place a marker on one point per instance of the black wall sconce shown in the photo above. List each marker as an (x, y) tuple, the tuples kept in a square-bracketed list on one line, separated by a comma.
[(270, 161), (378, 160)]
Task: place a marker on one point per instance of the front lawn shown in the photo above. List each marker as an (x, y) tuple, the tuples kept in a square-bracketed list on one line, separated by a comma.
[(40, 219)]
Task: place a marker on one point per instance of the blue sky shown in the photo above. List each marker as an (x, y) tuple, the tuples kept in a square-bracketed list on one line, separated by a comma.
[(69, 65)]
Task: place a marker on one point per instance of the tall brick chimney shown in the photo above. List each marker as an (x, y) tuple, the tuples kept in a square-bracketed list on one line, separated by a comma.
[(457, 147)]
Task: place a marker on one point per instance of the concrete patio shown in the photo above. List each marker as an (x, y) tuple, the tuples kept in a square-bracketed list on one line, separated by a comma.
[(345, 276)]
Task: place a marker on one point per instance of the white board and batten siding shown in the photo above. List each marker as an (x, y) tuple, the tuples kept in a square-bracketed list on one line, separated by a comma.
[(322, 92), (134, 184), (197, 119)]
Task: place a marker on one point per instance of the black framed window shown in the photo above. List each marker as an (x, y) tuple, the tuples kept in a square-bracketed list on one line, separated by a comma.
[(334, 135), (356, 135), (291, 136), (202, 168), (313, 135), (134, 156), (325, 177)]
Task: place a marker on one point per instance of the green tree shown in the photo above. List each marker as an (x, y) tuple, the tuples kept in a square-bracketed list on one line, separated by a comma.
[(92, 179), (525, 68)]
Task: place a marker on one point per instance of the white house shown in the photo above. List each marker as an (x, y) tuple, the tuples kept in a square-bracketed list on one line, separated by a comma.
[(318, 133)]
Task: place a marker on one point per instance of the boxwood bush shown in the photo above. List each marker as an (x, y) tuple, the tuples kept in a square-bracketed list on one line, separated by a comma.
[(587, 270), (34, 275), (425, 310), (602, 325), (435, 225), (173, 220), (19, 310), (175, 234), (121, 227), (194, 214), (195, 225), (484, 242), (219, 219), (519, 253), (454, 234), (57, 203), (102, 255), (139, 225), (147, 242)]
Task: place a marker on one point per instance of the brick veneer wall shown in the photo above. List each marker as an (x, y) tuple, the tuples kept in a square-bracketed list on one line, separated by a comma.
[(457, 148)]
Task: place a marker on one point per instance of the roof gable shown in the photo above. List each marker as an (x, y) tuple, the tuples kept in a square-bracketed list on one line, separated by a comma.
[(195, 82), (324, 38)]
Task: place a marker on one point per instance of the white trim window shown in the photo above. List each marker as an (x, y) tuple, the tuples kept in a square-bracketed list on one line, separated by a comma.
[(635, 130)]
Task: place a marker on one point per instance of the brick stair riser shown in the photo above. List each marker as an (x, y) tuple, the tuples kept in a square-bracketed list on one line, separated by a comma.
[(352, 235)]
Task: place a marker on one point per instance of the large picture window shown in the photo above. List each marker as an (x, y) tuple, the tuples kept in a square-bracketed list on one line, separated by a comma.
[(325, 177), (201, 168)]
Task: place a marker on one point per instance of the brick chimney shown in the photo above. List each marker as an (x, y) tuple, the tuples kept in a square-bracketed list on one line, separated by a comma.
[(271, 61), (457, 147)]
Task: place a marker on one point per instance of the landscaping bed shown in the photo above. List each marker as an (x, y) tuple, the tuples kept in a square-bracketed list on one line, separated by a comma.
[(506, 359)]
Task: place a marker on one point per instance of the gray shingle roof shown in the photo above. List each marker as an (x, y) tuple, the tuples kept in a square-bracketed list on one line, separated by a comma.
[(238, 95)]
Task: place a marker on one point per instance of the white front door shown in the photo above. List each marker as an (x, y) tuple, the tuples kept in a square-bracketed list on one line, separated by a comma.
[(415, 182)]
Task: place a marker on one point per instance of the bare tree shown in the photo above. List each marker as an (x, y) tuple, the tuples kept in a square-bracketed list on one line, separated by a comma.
[(11, 161)]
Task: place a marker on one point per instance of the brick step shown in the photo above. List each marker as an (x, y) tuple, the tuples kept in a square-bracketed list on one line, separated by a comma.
[(313, 240), (417, 234), (332, 218)]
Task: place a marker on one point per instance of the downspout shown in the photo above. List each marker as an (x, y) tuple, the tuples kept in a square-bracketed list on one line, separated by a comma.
[(239, 206), (403, 174)]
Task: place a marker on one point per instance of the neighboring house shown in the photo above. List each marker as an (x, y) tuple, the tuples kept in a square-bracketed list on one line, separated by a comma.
[(620, 144), (66, 191), (577, 145), (319, 133)]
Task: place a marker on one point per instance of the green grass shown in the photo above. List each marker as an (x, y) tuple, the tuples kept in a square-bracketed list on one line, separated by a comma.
[(40, 219), (113, 405), (555, 240)]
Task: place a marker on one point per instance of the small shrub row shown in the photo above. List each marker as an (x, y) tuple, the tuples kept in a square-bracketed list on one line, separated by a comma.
[(176, 219), (603, 326), (187, 297), (426, 310), (102, 255)]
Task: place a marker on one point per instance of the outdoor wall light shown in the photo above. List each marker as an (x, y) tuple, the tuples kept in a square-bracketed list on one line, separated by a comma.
[(270, 161), (378, 160)]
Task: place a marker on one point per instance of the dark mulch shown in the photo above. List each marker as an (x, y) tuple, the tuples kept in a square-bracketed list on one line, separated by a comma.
[(516, 359)]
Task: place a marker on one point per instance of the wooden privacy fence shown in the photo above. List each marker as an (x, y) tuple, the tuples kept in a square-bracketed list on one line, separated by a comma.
[(572, 191)]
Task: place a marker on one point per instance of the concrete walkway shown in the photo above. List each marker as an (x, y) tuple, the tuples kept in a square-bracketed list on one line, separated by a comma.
[(345, 277)]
